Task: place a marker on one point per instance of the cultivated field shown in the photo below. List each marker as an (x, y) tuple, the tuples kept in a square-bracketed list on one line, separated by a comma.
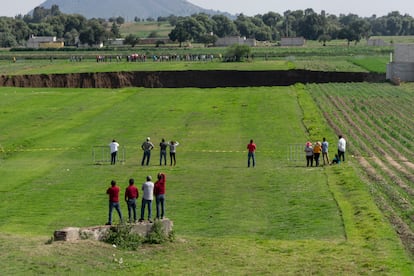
[(278, 218), (378, 122)]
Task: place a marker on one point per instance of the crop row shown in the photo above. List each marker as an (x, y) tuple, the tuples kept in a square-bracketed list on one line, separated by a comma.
[(376, 119)]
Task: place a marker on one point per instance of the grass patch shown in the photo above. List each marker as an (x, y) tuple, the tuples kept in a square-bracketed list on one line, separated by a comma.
[(279, 217)]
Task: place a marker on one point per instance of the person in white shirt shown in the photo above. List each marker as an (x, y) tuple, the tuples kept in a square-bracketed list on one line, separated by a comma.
[(173, 145), (114, 150), (341, 147), (148, 191)]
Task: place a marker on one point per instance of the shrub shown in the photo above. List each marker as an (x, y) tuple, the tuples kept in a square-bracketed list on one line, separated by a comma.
[(122, 237)]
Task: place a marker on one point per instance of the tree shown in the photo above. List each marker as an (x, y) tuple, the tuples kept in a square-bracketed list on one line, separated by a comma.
[(324, 38), (94, 34), (187, 29), (132, 40), (237, 52), (115, 32), (223, 26)]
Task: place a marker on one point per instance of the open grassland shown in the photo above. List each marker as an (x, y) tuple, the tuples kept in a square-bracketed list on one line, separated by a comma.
[(278, 218), (63, 64)]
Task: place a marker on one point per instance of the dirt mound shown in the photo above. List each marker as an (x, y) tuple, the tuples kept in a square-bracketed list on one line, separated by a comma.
[(177, 79)]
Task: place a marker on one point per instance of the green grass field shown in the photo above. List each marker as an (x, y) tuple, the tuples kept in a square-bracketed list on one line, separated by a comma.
[(278, 218)]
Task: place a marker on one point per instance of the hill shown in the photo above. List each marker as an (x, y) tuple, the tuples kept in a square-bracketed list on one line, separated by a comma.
[(129, 9)]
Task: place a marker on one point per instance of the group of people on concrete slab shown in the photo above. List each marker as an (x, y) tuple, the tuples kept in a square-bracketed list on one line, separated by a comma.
[(313, 152), (147, 146), (149, 191)]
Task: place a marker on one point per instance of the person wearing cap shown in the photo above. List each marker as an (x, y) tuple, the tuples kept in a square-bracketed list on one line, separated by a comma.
[(113, 193), (309, 154), (147, 146), (148, 193), (131, 196)]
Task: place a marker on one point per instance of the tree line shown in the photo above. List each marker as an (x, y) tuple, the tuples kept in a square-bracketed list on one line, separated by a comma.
[(203, 28)]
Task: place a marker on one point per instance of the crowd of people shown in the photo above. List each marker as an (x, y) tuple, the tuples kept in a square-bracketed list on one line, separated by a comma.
[(313, 152), (149, 191)]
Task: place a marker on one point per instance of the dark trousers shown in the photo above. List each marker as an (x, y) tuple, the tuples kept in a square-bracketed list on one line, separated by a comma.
[(309, 161), (113, 157), (172, 157), (163, 155), (341, 153), (147, 156)]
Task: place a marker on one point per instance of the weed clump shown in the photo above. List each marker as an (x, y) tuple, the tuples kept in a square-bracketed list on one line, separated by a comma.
[(121, 236)]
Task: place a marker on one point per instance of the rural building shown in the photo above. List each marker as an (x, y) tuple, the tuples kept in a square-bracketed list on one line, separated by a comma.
[(231, 40), (401, 66), (37, 42), (377, 42), (292, 41)]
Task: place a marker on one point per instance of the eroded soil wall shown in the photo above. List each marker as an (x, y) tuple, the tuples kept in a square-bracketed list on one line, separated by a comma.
[(177, 79)]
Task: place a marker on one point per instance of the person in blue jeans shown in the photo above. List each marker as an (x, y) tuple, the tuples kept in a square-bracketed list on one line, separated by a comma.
[(251, 147), (148, 193), (113, 193), (147, 146), (163, 151), (159, 192)]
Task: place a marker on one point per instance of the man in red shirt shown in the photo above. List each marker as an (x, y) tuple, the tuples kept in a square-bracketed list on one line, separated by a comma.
[(159, 192), (251, 155), (131, 195), (113, 193)]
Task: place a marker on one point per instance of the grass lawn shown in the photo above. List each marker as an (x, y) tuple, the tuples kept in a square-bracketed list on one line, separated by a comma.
[(278, 218)]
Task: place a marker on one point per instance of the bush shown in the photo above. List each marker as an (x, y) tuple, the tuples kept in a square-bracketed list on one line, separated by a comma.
[(237, 53), (122, 237), (157, 234)]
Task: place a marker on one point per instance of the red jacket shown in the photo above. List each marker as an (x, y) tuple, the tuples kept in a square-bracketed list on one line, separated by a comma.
[(131, 192), (159, 186), (113, 193)]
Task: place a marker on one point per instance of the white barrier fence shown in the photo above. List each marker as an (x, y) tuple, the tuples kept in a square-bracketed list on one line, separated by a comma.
[(102, 154)]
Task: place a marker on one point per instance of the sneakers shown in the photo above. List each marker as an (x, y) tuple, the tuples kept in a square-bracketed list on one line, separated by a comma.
[(108, 223)]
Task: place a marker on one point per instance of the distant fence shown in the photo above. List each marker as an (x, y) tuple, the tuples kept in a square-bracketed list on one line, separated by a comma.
[(295, 152), (102, 154)]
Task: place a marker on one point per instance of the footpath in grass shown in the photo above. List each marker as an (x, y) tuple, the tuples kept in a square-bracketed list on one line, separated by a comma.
[(279, 217)]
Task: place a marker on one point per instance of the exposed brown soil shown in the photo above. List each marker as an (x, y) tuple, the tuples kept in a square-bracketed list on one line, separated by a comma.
[(177, 79)]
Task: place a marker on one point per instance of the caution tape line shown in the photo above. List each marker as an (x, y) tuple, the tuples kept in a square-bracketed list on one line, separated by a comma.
[(41, 149)]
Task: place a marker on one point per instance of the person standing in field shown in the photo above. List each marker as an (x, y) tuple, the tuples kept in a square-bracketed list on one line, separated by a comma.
[(147, 146), (341, 147), (309, 154), (163, 152), (131, 196), (113, 193), (251, 147), (159, 192), (317, 152), (325, 150), (114, 150), (148, 191), (173, 146)]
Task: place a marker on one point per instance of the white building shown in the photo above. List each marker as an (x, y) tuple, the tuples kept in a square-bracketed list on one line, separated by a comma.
[(401, 66), (231, 40)]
